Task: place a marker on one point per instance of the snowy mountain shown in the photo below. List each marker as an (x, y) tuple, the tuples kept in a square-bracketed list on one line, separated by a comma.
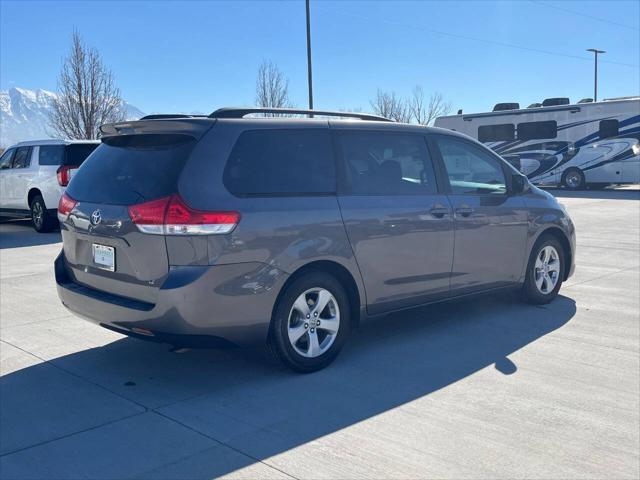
[(24, 115)]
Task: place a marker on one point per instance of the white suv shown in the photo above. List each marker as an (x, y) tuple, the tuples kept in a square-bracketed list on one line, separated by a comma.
[(34, 175)]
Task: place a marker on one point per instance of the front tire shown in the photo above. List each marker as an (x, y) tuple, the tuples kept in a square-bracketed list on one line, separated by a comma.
[(573, 179), (311, 322), (545, 271), (42, 221)]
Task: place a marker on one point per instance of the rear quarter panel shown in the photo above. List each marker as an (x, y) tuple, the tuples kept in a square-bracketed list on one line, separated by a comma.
[(286, 233)]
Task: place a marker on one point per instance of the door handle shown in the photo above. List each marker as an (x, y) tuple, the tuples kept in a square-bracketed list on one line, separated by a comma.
[(439, 211), (464, 211)]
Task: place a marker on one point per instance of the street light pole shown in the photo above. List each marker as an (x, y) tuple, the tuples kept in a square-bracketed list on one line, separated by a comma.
[(595, 75), (310, 80)]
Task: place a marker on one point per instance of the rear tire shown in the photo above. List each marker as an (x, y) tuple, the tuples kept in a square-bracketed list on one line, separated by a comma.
[(573, 179), (307, 336), (42, 221), (545, 271)]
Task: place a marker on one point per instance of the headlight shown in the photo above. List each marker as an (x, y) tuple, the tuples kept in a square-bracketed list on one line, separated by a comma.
[(636, 149)]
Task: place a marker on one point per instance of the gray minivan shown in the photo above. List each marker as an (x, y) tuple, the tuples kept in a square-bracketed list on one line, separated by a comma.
[(232, 229)]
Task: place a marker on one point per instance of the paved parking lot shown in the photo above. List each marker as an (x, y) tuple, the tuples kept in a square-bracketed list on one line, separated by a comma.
[(487, 388)]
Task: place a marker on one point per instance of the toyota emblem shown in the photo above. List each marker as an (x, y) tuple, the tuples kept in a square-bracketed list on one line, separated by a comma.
[(96, 217)]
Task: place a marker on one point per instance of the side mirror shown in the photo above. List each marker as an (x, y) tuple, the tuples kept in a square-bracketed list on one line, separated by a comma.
[(519, 184)]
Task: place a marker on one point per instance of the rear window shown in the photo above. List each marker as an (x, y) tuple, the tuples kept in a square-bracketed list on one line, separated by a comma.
[(78, 153), (132, 169), (281, 162), (73, 154)]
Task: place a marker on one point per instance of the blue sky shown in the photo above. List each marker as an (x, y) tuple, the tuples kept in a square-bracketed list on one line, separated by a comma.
[(198, 56)]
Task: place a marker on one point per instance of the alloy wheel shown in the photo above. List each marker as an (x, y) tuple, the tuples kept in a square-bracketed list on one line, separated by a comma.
[(547, 269), (37, 214), (313, 323)]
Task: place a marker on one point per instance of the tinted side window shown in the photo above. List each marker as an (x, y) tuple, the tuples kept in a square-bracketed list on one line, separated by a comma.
[(497, 133), (5, 160), (537, 130), (470, 169), (380, 163), (51, 155), (281, 162), (609, 128), (22, 158)]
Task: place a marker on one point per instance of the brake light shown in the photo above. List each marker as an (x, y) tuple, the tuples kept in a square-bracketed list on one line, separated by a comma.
[(65, 206), (63, 175), (171, 216)]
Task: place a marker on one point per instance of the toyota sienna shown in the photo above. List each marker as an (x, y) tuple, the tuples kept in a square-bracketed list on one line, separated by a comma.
[(231, 229)]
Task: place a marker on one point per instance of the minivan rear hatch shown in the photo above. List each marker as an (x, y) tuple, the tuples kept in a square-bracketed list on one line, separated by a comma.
[(136, 163)]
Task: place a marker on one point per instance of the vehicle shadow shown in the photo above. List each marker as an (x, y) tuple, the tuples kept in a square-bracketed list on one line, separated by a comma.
[(247, 403), (604, 194), (20, 233)]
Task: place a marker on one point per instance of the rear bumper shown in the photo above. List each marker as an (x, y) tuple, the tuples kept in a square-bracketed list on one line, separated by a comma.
[(196, 305)]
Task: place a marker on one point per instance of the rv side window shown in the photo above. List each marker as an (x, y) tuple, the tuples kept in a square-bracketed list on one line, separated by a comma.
[(497, 133), (609, 128), (537, 130)]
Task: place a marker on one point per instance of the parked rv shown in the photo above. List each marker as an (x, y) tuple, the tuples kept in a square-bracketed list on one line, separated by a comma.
[(559, 143)]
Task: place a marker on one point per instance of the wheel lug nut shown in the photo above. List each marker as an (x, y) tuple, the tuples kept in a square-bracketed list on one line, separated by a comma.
[(306, 325), (308, 316), (315, 314), (318, 323), (313, 329)]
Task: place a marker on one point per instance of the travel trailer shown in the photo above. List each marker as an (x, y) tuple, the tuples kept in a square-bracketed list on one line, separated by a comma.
[(558, 143)]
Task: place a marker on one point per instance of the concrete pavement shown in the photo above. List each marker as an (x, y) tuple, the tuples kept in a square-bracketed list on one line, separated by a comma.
[(486, 388)]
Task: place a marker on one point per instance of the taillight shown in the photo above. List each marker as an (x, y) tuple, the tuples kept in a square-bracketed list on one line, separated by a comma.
[(171, 216), (65, 206), (63, 175)]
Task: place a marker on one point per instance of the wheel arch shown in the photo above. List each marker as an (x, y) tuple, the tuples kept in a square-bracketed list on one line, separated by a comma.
[(341, 273), (33, 192)]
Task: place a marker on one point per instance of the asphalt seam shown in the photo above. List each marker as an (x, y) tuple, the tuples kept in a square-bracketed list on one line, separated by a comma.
[(51, 440), (634, 267), (50, 362), (257, 460), (146, 410)]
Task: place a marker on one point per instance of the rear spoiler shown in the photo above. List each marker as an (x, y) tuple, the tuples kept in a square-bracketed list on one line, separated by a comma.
[(193, 127)]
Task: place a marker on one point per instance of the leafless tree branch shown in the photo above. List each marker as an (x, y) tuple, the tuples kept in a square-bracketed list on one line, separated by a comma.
[(272, 88), (388, 104), (87, 94), (424, 113)]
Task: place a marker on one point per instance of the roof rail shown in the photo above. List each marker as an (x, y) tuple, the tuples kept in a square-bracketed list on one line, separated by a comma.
[(230, 112), (158, 116)]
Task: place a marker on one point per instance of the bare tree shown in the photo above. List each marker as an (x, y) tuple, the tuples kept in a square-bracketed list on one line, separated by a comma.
[(87, 95), (272, 88), (388, 104), (424, 112)]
